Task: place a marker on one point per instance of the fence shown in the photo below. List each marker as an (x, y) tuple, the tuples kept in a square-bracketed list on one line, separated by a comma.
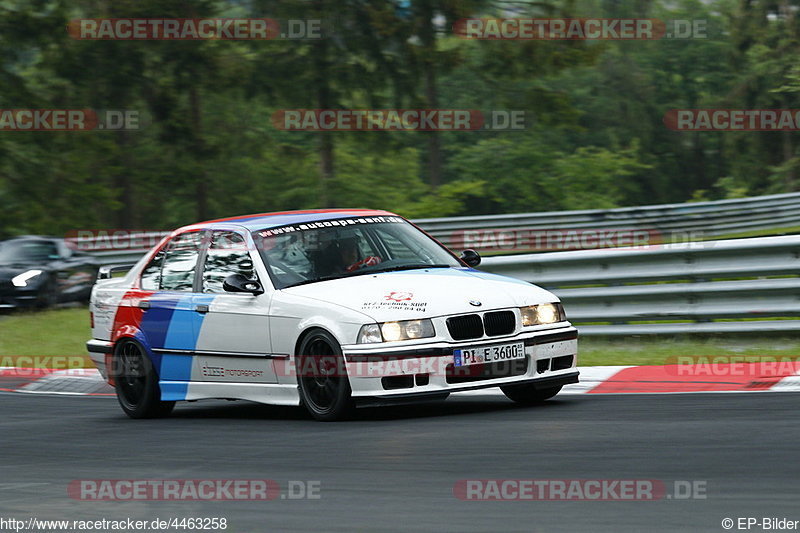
[(709, 287), (704, 287), (681, 221)]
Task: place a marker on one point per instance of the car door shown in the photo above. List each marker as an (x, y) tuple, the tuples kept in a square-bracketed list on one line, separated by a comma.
[(171, 323), (234, 343)]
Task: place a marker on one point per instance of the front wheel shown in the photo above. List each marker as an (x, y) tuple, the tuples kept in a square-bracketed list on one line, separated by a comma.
[(528, 394), (322, 378), (136, 382), (48, 296)]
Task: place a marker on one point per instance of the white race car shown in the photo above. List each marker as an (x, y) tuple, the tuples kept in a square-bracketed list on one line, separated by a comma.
[(326, 308)]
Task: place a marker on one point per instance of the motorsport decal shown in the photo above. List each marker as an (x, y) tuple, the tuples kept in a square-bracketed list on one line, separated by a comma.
[(220, 371), (338, 223), (232, 369), (396, 301)]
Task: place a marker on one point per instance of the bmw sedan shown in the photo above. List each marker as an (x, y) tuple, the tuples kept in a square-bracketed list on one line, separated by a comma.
[(328, 309)]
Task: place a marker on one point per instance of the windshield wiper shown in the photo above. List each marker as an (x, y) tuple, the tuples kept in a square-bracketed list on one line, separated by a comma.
[(407, 267), (366, 271), (327, 278), (313, 280)]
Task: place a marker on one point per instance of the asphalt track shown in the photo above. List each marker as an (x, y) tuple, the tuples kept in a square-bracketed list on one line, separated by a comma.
[(394, 469)]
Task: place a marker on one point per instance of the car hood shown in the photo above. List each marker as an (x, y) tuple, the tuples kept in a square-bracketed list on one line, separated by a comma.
[(424, 293)]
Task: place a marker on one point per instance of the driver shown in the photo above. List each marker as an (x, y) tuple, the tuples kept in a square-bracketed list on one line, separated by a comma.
[(349, 253)]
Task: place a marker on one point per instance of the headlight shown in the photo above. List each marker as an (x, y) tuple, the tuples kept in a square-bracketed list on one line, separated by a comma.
[(396, 331), (535, 315), (23, 279)]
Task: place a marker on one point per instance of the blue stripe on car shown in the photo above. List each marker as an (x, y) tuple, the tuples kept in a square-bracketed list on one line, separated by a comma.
[(156, 320), (173, 323), (174, 391)]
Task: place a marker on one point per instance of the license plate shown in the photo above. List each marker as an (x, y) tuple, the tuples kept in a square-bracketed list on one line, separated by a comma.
[(488, 354)]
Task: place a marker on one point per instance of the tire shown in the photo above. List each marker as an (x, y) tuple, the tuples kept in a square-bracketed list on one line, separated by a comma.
[(528, 394), (136, 382), (322, 378)]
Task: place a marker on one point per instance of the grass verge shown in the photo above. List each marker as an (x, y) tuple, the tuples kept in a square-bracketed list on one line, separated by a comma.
[(57, 338), (47, 339)]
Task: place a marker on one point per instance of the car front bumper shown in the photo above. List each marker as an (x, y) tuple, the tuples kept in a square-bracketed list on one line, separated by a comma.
[(12, 297), (427, 370)]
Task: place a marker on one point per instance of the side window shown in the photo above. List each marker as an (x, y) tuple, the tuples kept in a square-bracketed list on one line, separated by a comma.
[(151, 275), (227, 255), (177, 274)]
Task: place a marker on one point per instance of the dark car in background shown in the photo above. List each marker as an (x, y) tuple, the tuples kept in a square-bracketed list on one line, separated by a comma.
[(38, 271)]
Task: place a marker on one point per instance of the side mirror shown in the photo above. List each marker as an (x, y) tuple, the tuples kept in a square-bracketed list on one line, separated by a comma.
[(471, 257), (239, 283)]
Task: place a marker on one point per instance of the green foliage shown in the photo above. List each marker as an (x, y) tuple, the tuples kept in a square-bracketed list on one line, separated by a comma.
[(521, 174), (594, 135), (595, 177), (448, 200)]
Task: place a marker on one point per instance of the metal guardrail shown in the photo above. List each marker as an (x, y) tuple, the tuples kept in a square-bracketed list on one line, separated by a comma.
[(118, 257), (119, 247), (712, 219), (709, 218), (708, 287)]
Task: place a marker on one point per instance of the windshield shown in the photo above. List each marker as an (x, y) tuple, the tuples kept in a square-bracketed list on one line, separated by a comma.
[(318, 251), (27, 251)]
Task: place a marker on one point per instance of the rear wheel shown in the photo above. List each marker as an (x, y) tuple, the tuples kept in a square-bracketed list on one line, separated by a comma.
[(136, 382), (322, 377), (528, 394)]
